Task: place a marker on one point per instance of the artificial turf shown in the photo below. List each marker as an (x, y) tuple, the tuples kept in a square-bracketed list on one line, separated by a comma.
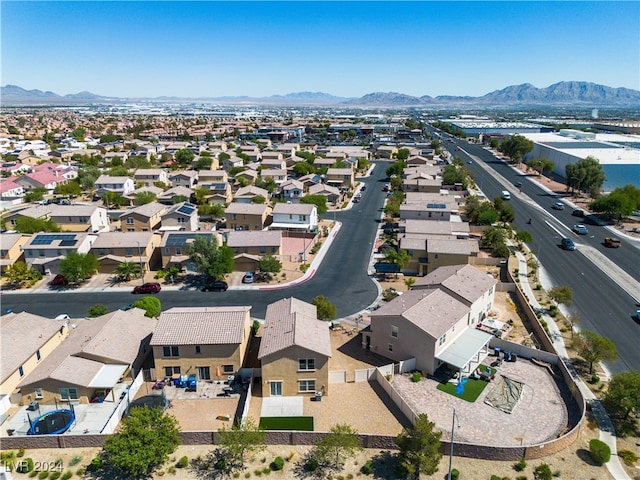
[(287, 423), (472, 388)]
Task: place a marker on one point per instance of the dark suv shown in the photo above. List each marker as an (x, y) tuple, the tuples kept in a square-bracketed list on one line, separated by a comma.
[(217, 286), (152, 287)]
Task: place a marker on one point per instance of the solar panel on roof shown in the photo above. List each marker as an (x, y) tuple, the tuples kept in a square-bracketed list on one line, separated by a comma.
[(68, 243), (186, 209), (46, 239)]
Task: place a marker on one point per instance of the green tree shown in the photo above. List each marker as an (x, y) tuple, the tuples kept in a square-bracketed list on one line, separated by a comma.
[(516, 148), (319, 201), (69, 188), (326, 309), (179, 199), (303, 168), (113, 199), (143, 198), (204, 163), (146, 439), (151, 306), (77, 267), (200, 195), (622, 201), (125, 271), (35, 225), (562, 294), (97, 310), (403, 154), (118, 171), (594, 348), (134, 163), (211, 260), (623, 395), (270, 264), (542, 472), (585, 175), (452, 174), (87, 177), (184, 157), (420, 447), (400, 258), (79, 134), (523, 237), (35, 195), (242, 441), (20, 274), (396, 168), (340, 443)]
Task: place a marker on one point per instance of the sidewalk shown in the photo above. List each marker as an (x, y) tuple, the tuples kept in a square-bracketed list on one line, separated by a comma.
[(607, 433)]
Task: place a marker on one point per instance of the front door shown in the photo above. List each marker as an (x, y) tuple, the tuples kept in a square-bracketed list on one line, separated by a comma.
[(204, 373), (276, 389)]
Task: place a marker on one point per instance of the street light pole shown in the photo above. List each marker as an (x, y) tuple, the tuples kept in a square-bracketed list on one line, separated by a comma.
[(453, 426), (141, 266)]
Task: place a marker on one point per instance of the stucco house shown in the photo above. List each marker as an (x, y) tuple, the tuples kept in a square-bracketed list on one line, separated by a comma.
[(295, 216), (295, 350), (292, 189), (80, 218), (119, 185), (429, 252), (182, 215), (184, 178), (12, 248), (332, 194), (255, 242), (174, 245), (149, 176), (115, 248), (210, 342), (341, 177), (247, 216), (43, 251), (144, 218), (249, 193)]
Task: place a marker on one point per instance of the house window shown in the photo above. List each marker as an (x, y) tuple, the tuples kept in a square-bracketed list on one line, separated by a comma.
[(38, 356), (69, 393), (101, 251), (394, 331), (131, 229), (390, 347), (128, 252), (178, 251), (307, 364), (263, 250), (233, 216), (228, 369), (170, 351), (21, 371), (171, 371), (306, 385), (198, 349), (129, 221), (38, 392), (442, 339)]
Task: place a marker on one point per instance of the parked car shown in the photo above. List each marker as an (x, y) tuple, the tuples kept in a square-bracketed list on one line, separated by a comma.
[(248, 277), (567, 244), (152, 287), (578, 212), (558, 206), (580, 229), (612, 242), (58, 280), (216, 286), (363, 188)]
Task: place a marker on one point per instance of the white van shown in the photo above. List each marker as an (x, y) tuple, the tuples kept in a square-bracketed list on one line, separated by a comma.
[(505, 195)]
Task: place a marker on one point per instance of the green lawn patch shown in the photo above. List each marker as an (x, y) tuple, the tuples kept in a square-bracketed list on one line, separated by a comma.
[(472, 388), (287, 423)]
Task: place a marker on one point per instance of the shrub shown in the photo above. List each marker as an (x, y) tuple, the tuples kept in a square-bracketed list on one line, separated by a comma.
[(311, 465), (416, 377), (95, 465), (247, 475), (493, 477), (76, 459), (183, 462), (542, 472), (520, 466), (521, 477), (594, 379), (455, 474), (67, 475), (278, 463), (25, 466), (600, 451), (171, 470), (257, 472), (81, 471), (628, 457), (20, 453), (55, 475), (43, 474), (266, 470), (556, 473), (33, 473), (236, 474), (367, 468)]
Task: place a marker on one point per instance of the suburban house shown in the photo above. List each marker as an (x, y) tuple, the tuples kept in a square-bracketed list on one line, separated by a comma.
[(247, 216), (429, 252), (150, 176), (184, 178), (260, 243), (219, 192), (277, 175), (295, 216), (249, 175), (322, 162), (110, 156), (435, 227), (420, 184), (9, 189), (26, 340), (174, 245), (436, 321), (144, 218), (12, 248), (92, 360), (292, 189), (232, 161), (31, 211), (48, 180), (43, 251), (341, 177), (119, 185), (115, 248), (80, 218), (166, 197), (181, 216), (295, 350), (386, 151), (332, 194), (252, 151), (249, 194), (273, 160), (419, 160), (209, 342), (442, 209), (143, 190)]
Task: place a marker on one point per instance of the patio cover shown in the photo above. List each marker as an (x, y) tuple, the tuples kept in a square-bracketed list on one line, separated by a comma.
[(108, 376), (459, 353), (297, 226)]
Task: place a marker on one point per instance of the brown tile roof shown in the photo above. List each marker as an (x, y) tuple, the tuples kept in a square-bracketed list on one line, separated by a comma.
[(201, 326), (270, 238), (290, 322), (464, 280), (122, 240)]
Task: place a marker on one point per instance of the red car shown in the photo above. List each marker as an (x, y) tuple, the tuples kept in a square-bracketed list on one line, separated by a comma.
[(152, 287), (59, 280)]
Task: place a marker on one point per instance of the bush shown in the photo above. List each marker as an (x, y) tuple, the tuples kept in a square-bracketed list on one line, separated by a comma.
[(97, 310), (600, 451), (76, 459), (311, 465), (257, 472), (455, 474), (594, 379), (81, 471), (95, 465), (416, 377), (55, 475), (171, 470), (67, 475), (43, 474), (520, 466), (367, 468), (278, 464), (25, 466), (493, 477), (628, 457), (183, 462), (542, 472), (33, 473), (20, 453)]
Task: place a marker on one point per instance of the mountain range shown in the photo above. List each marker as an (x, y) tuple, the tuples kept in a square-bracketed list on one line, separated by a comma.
[(559, 94)]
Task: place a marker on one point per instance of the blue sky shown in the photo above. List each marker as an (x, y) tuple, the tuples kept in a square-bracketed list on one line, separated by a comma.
[(196, 49)]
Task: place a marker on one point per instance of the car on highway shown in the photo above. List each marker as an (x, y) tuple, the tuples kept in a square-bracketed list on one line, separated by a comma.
[(58, 280), (216, 286), (612, 242), (248, 277), (580, 229), (518, 184), (567, 244), (151, 287), (578, 212), (558, 206)]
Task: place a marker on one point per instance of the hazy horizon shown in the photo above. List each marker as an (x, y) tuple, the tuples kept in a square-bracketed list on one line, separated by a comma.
[(345, 49)]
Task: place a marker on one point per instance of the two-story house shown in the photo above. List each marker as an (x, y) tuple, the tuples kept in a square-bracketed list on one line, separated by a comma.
[(247, 216), (332, 194), (341, 177), (168, 196), (255, 242), (295, 350), (182, 215), (115, 248), (150, 176), (80, 218), (43, 251), (144, 218), (209, 342), (292, 189), (12, 248), (119, 185), (174, 248), (250, 193), (277, 175), (295, 216), (184, 178)]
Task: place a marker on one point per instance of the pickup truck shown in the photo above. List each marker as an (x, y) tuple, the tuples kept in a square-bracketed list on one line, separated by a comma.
[(612, 242)]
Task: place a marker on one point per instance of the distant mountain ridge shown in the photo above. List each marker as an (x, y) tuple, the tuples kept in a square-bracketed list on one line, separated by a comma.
[(571, 93)]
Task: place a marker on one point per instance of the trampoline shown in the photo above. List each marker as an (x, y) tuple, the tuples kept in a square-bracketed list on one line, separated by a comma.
[(149, 401), (52, 423)]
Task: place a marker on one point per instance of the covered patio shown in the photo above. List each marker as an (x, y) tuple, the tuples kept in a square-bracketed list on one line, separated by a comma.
[(467, 351)]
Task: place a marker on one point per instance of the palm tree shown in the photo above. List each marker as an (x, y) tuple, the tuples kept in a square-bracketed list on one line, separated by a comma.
[(128, 270)]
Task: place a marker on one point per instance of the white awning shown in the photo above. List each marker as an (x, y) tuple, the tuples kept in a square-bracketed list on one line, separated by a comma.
[(108, 376), (462, 350), (297, 226)]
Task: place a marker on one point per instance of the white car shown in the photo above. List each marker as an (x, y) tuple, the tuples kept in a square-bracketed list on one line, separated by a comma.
[(248, 277)]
